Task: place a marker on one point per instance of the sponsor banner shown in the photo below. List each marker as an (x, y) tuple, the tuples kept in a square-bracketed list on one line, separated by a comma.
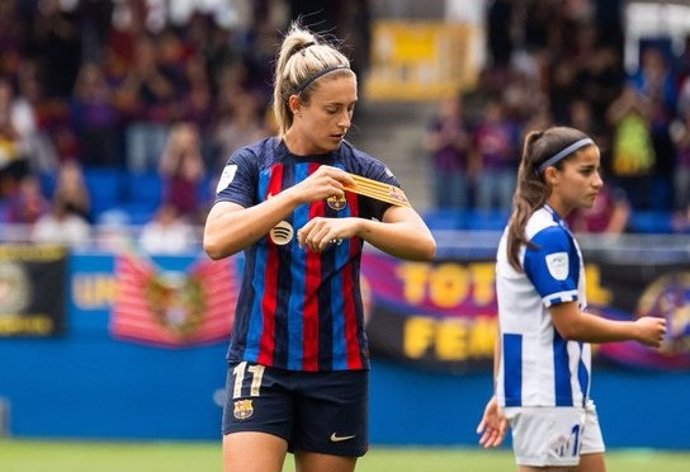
[(661, 290), (32, 290), (173, 308), (443, 315)]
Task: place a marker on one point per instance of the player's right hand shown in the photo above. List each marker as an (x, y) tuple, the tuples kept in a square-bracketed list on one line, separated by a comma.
[(325, 182), (651, 330), (493, 425)]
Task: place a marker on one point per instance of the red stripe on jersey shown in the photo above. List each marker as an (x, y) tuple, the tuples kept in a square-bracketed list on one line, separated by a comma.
[(352, 347), (270, 295), (310, 320)]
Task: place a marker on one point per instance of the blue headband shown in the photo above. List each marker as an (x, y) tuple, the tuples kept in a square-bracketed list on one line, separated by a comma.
[(564, 153), (306, 82)]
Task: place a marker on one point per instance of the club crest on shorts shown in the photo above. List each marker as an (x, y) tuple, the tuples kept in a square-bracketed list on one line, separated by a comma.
[(336, 202), (243, 409), (282, 233)]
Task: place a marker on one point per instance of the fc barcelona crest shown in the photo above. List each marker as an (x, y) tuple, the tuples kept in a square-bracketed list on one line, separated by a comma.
[(243, 409), (336, 202)]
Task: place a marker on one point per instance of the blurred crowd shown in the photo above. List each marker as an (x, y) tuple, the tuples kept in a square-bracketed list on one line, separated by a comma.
[(563, 63), (114, 113), (102, 102)]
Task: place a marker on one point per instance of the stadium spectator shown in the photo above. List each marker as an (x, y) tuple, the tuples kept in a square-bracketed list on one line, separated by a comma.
[(239, 123), (95, 118), (38, 121), (27, 204), (10, 139), (272, 202), (71, 190), (182, 169), (632, 150), (500, 37), (681, 137), (448, 140), (656, 82), (55, 39), (145, 98), (493, 158), (168, 233), (61, 225)]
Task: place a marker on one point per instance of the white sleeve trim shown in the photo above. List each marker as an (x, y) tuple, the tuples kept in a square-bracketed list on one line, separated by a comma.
[(560, 297)]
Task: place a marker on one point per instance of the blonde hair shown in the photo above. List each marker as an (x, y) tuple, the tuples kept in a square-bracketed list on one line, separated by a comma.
[(303, 59)]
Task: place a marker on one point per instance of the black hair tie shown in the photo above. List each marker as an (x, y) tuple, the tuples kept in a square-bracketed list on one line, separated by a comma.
[(302, 47)]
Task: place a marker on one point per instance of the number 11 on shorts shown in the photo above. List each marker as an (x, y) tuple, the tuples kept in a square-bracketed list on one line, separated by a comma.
[(257, 372)]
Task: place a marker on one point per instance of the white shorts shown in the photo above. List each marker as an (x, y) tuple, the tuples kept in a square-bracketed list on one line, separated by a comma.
[(554, 436)]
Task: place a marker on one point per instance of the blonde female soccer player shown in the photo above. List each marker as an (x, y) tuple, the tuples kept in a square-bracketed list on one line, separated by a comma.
[(543, 372), (298, 358)]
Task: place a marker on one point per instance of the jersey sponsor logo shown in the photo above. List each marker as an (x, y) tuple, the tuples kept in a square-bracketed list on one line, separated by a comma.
[(282, 233), (557, 263), (243, 409), (335, 438), (336, 202), (226, 177)]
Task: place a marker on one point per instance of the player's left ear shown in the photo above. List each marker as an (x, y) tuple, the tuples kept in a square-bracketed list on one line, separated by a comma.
[(550, 175), (295, 104)]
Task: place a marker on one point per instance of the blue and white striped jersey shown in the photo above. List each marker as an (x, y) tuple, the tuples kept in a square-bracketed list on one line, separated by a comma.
[(537, 366)]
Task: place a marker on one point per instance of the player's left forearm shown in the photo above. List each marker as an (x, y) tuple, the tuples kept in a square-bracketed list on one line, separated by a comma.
[(406, 239)]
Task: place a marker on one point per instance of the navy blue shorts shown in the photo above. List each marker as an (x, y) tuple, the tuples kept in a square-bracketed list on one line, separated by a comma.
[(323, 412)]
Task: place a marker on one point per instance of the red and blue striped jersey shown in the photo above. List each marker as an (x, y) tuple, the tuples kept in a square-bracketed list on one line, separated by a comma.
[(299, 309)]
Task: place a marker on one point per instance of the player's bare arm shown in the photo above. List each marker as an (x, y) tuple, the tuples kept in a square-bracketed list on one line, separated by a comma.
[(402, 233), (581, 326)]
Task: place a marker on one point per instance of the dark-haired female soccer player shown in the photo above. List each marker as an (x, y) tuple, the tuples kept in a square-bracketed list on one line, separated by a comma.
[(298, 358), (542, 359)]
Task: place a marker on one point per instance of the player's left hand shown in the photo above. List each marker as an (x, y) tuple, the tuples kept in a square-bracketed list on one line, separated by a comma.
[(320, 233)]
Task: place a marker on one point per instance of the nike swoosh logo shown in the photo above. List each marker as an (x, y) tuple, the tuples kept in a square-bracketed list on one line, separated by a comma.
[(336, 438)]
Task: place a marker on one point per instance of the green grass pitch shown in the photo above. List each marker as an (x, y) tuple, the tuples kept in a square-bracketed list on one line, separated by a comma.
[(72, 456)]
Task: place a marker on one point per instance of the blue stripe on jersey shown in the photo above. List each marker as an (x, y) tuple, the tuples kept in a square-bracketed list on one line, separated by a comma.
[(583, 377), (251, 352), (238, 342), (561, 369), (342, 254), (296, 302), (325, 315), (512, 369), (284, 287)]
